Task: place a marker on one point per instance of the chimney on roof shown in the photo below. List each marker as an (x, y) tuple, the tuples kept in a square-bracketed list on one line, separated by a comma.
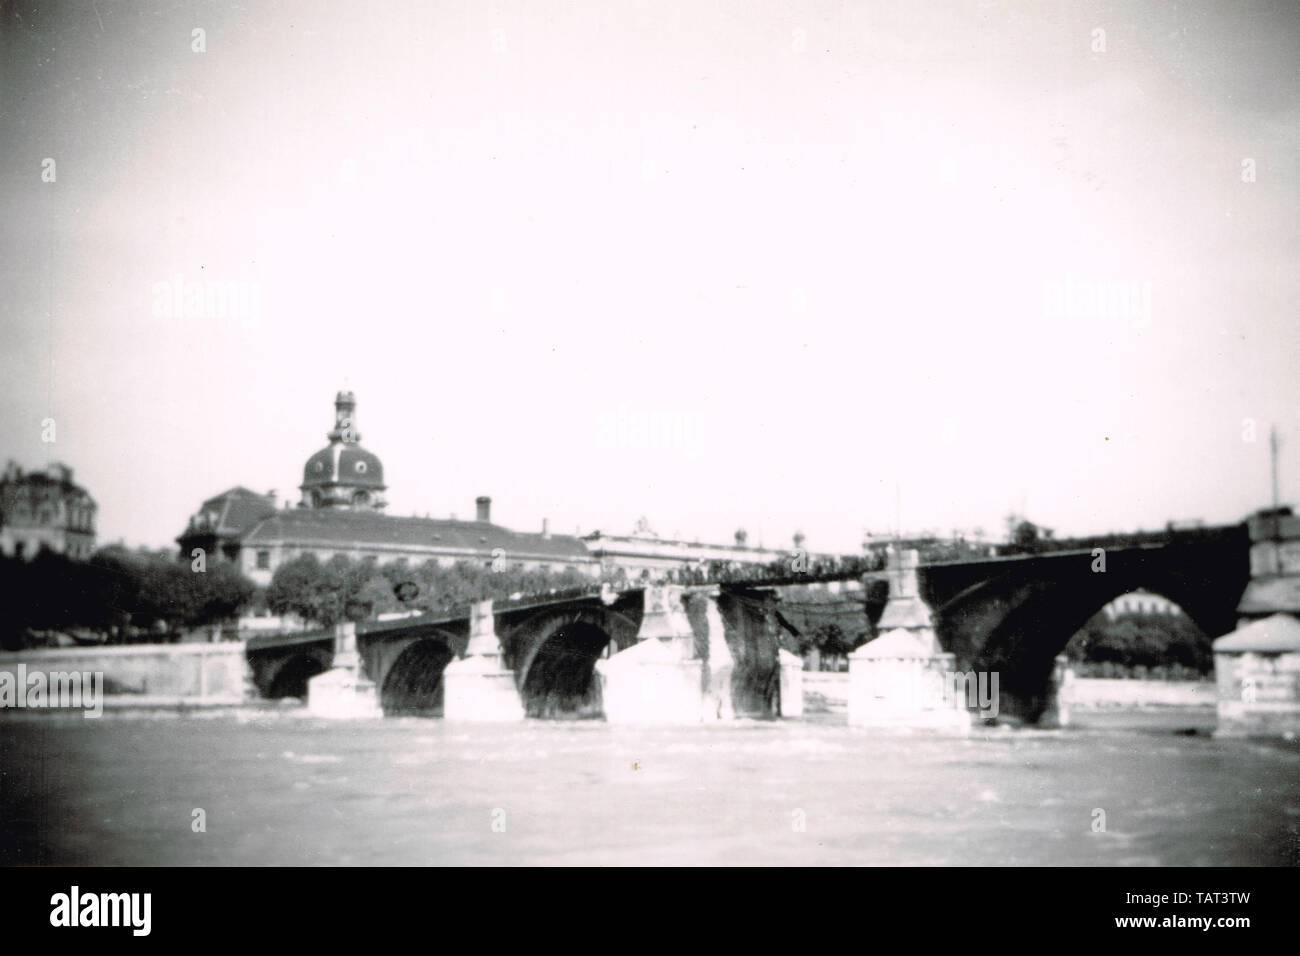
[(484, 505), (741, 537), (546, 528)]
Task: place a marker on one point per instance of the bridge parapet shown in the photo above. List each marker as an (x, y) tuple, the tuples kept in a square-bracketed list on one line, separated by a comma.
[(1165, 537)]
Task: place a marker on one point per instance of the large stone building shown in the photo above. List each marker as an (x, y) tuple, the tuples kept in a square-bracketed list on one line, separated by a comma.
[(341, 512), (644, 555), (45, 510)]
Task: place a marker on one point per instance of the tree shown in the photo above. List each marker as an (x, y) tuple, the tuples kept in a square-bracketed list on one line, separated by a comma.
[(830, 623), (1142, 639), (301, 587), (119, 593), (344, 589), (376, 596), (216, 594), (152, 589)]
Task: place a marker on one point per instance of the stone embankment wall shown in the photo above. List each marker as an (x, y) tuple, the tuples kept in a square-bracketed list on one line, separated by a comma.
[(828, 691), (143, 674)]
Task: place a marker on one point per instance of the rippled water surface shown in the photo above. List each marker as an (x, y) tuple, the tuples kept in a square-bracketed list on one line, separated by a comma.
[(280, 788)]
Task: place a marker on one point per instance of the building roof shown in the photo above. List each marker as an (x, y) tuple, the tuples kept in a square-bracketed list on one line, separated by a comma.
[(1278, 634), (236, 510), (58, 476), (347, 530)]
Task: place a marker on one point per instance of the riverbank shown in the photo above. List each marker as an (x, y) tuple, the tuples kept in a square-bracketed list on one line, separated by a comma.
[(827, 693), (1119, 692), (825, 697)]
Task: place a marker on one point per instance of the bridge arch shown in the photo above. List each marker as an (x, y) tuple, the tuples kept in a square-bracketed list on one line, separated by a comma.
[(413, 684), (555, 659), (288, 678), (1017, 622)]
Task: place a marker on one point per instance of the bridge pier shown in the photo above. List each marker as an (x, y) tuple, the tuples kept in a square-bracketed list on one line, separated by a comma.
[(343, 691), (479, 687), (791, 666), (719, 664), (1257, 669), (1057, 711), (658, 680), (903, 677)]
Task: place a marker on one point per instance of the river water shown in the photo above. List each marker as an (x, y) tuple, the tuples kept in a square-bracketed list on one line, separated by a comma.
[(278, 787)]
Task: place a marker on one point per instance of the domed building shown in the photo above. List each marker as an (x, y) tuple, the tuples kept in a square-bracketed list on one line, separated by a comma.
[(343, 474), (340, 512)]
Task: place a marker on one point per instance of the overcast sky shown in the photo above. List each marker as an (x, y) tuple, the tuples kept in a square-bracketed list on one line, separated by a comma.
[(720, 264)]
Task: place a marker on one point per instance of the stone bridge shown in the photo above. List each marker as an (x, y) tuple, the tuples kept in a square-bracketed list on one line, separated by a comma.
[(551, 647), (1015, 614), (1012, 614)]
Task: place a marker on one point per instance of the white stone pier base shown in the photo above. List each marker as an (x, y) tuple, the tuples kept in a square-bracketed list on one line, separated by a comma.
[(791, 684), (903, 678), (657, 680), (478, 687), (1057, 711), (1257, 669), (901, 686), (343, 692), (650, 684)]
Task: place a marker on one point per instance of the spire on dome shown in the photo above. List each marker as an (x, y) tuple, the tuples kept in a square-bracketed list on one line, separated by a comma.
[(345, 419)]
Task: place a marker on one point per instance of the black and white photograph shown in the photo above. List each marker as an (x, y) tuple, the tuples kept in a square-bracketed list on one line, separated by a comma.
[(650, 433)]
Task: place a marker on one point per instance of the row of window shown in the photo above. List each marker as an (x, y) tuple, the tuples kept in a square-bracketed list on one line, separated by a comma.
[(80, 517), (358, 498)]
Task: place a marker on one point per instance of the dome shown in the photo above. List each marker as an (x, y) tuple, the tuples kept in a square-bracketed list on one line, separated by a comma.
[(343, 474), (341, 463)]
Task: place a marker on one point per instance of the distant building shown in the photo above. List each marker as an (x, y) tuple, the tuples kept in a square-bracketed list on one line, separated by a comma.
[(386, 538), (220, 524), (45, 510), (1140, 602), (340, 512), (644, 555)]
